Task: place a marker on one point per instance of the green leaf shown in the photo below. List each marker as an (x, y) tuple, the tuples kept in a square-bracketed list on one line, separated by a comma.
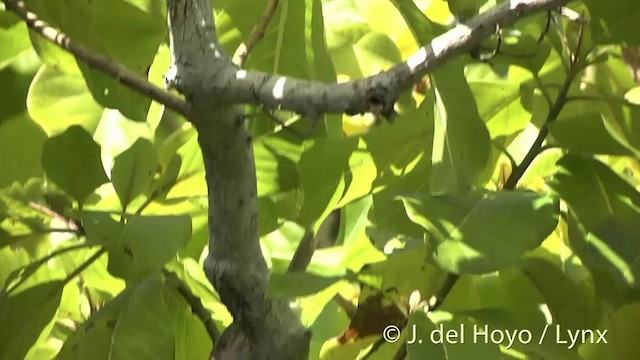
[(276, 160), (345, 25), (461, 141), (147, 244), (112, 23), (421, 327), (624, 331), (133, 171), (116, 133), (423, 29), (192, 340), (101, 228), (614, 23), (596, 193), (93, 339), (298, 284), (323, 182), (147, 307), (481, 232), (13, 37), (293, 44), (573, 305), (23, 316), (72, 161), (585, 134), (20, 135), (608, 212), (58, 100)]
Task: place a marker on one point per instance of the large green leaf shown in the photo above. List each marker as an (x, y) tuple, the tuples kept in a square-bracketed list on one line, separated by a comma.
[(614, 23), (596, 193), (461, 141), (624, 331), (607, 209), (72, 161), (24, 315), (21, 143), (299, 284), (323, 182), (481, 232), (585, 134), (147, 244), (13, 37), (60, 99), (112, 23), (133, 171), (121, 329), (147, 307), (572, 304), (93, 338), (276, 160)]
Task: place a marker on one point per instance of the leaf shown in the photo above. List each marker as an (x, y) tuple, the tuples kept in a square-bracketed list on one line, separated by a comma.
[(607, 209), (461, 140), (623, 332), (72, 161), (101, 228), (421, 327), (93, 339), (20, 135), (133, 171), (276, 160), (596, 193), (112, 23), (13, 37), (323, 183), (482, 232), (58, 100), (298, 284), (614, 23), (116, 133), (293, 45), (147, 307), (147, 244), (192, 340), (23, 316), (572, 305), (585, 134)]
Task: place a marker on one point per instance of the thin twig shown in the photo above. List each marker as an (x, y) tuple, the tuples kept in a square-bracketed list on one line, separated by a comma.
[(257, 33), (94, 60), (533, 152), (283, 125), (71, 224), (543, 89), (36, 264), (84, 266)]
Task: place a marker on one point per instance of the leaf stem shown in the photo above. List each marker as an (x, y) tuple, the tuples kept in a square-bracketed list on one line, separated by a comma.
[(84, 266)]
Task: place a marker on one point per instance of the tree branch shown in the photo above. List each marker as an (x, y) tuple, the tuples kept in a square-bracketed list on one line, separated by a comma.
[(95, 60), (257, 33), (263, 328), (359, 96)]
